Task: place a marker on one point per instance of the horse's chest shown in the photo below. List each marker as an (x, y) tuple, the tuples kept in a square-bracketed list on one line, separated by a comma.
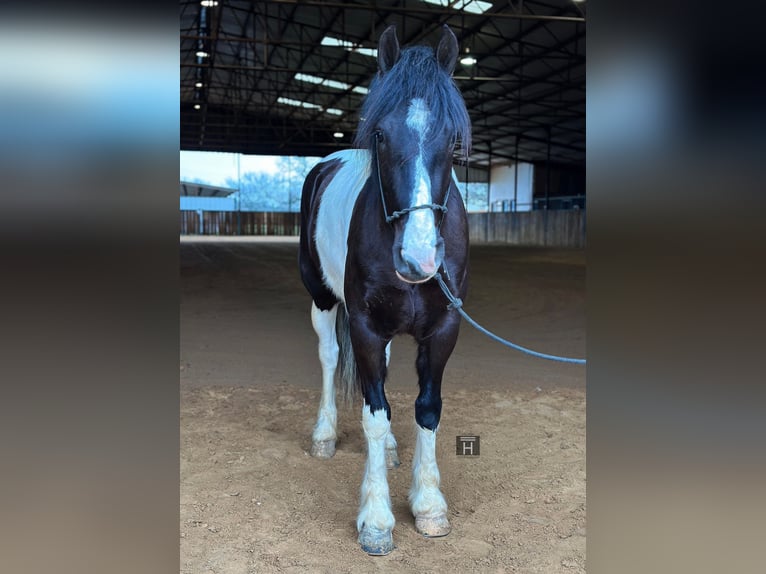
[(395, 313)]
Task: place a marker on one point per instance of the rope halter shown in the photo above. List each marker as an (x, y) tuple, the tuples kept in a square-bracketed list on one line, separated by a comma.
[(377, 135)]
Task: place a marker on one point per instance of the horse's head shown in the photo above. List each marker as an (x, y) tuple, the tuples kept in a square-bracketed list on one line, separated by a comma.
[(413, 117)]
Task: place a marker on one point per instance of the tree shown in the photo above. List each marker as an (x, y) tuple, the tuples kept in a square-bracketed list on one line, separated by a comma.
[(281, 191)]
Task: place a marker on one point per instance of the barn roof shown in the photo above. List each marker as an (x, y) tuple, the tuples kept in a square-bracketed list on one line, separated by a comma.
[(189, 189), (283, 77)]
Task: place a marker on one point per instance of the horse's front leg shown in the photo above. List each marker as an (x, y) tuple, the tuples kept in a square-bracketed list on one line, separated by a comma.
[(375, 521), (426, 500)]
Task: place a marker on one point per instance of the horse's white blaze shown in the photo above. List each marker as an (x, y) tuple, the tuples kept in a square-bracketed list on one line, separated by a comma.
[(419, 240), (375, 507), (334, 215), (324, 325), (417, 115), (426, 500)]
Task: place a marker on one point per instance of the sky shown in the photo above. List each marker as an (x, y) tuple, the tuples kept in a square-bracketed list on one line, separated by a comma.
[(215, 168)]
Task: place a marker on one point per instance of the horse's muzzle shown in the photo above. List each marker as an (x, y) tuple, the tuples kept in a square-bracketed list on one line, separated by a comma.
[(418, 265)]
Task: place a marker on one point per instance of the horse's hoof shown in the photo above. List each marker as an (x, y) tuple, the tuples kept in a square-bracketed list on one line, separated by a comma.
[(392, 458), (323, 448), (433, 526), (376, 542)]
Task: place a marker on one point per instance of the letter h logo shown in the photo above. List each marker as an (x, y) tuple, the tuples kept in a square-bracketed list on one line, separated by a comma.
[(467, 445)]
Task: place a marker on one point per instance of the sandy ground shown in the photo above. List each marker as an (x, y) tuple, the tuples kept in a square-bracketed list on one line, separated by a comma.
[(253, 500)]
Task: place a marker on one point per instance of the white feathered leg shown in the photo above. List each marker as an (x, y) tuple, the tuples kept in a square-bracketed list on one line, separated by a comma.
[(426, 500), (392, 457), (324, 436), (375, 522)]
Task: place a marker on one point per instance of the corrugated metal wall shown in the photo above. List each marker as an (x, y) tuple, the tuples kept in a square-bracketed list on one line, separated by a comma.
[(544, 228)]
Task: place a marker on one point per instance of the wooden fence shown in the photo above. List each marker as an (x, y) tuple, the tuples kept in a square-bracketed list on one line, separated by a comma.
[(240, 223), (544, 228)]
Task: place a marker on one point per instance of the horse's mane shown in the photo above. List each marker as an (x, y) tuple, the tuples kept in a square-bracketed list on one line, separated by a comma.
[(416, 74)]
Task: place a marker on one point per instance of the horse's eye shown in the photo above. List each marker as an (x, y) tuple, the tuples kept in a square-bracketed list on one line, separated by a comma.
[(379, 136)]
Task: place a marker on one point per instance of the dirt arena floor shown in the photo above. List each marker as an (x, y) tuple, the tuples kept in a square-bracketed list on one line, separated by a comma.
[(253, 500)]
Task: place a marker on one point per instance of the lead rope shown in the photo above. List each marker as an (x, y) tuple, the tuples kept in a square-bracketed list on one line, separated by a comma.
[(457, 304)]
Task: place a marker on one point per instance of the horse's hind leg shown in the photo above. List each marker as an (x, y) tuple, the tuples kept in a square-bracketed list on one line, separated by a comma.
[(426, 500), (324, 436), (392, 457)]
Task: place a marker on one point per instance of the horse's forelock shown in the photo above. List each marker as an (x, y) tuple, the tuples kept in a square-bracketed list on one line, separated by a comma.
[(417, 74)]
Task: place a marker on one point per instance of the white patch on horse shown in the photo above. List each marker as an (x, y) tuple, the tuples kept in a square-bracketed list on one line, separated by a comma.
[(426, 500), (324, 326), (419, 240), (375, 507), (334, 215), (417, 116)]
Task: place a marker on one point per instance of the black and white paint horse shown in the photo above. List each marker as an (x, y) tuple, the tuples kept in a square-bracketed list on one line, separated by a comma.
[(377, 223)]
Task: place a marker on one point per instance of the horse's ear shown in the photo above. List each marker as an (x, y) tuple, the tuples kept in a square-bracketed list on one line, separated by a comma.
[(388, 49), (447, 51)]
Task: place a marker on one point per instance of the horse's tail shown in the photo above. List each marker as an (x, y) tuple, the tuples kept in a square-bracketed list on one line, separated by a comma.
[(348, 381)]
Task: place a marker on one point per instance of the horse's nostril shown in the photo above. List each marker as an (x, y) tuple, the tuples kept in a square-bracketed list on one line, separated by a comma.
[(410, 262)]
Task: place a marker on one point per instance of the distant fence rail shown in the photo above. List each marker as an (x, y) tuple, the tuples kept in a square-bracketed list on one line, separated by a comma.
[(545, 228), (552, 203)]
